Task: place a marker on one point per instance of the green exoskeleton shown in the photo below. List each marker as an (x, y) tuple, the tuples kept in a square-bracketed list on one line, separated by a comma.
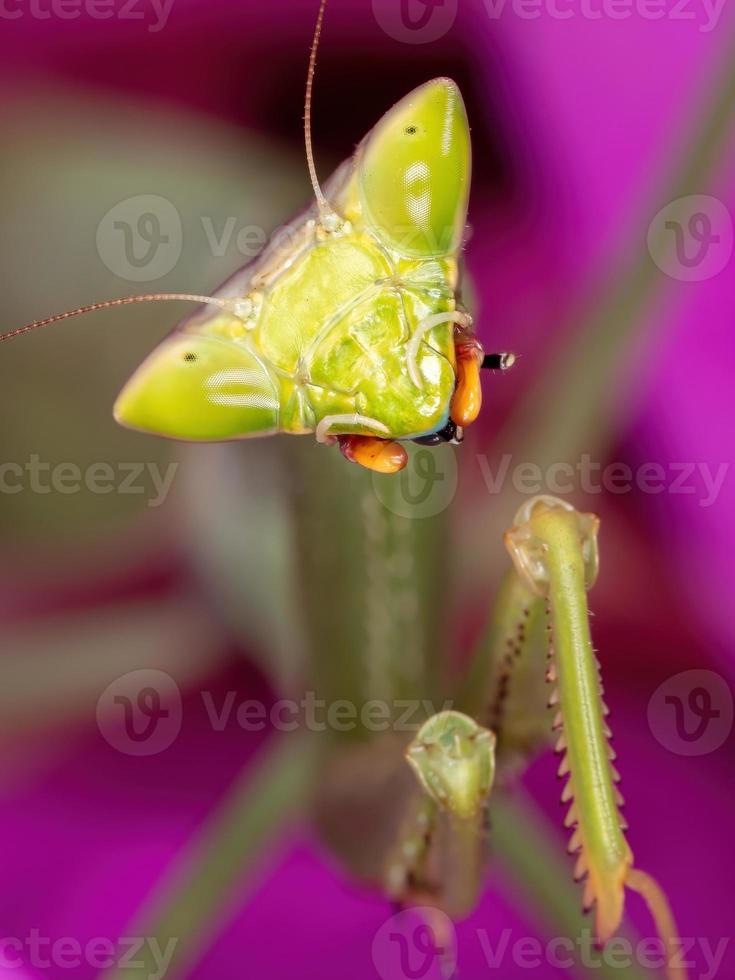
[(350, 325)]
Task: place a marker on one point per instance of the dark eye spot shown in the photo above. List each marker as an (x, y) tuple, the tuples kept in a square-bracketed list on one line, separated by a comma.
[(410, 130), (189, 356)]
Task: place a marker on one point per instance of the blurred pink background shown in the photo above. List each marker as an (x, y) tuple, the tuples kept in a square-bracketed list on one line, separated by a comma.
[(577, 124)]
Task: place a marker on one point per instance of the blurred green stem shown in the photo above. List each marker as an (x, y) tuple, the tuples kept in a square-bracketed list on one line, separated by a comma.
[(213, 868), (571, 403), (569, 408)]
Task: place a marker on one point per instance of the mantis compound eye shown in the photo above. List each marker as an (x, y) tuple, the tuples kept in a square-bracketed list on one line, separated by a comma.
[(415, 171), (196, 387)]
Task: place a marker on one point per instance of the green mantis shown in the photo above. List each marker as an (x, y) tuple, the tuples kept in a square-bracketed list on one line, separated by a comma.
[(350, 331), (355, 333), (350, 326)]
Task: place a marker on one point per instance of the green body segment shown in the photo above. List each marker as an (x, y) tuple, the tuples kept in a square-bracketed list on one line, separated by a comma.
[(326, 316)]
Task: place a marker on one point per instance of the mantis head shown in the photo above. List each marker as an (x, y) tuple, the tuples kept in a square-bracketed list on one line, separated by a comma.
[(409, 187), (412, 175)]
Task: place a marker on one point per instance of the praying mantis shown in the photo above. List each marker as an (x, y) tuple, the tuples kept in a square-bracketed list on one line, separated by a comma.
[(353, 329), (356, 333)]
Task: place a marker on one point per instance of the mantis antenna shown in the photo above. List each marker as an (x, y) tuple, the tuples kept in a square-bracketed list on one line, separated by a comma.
[(322, 204), (230, 305)]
